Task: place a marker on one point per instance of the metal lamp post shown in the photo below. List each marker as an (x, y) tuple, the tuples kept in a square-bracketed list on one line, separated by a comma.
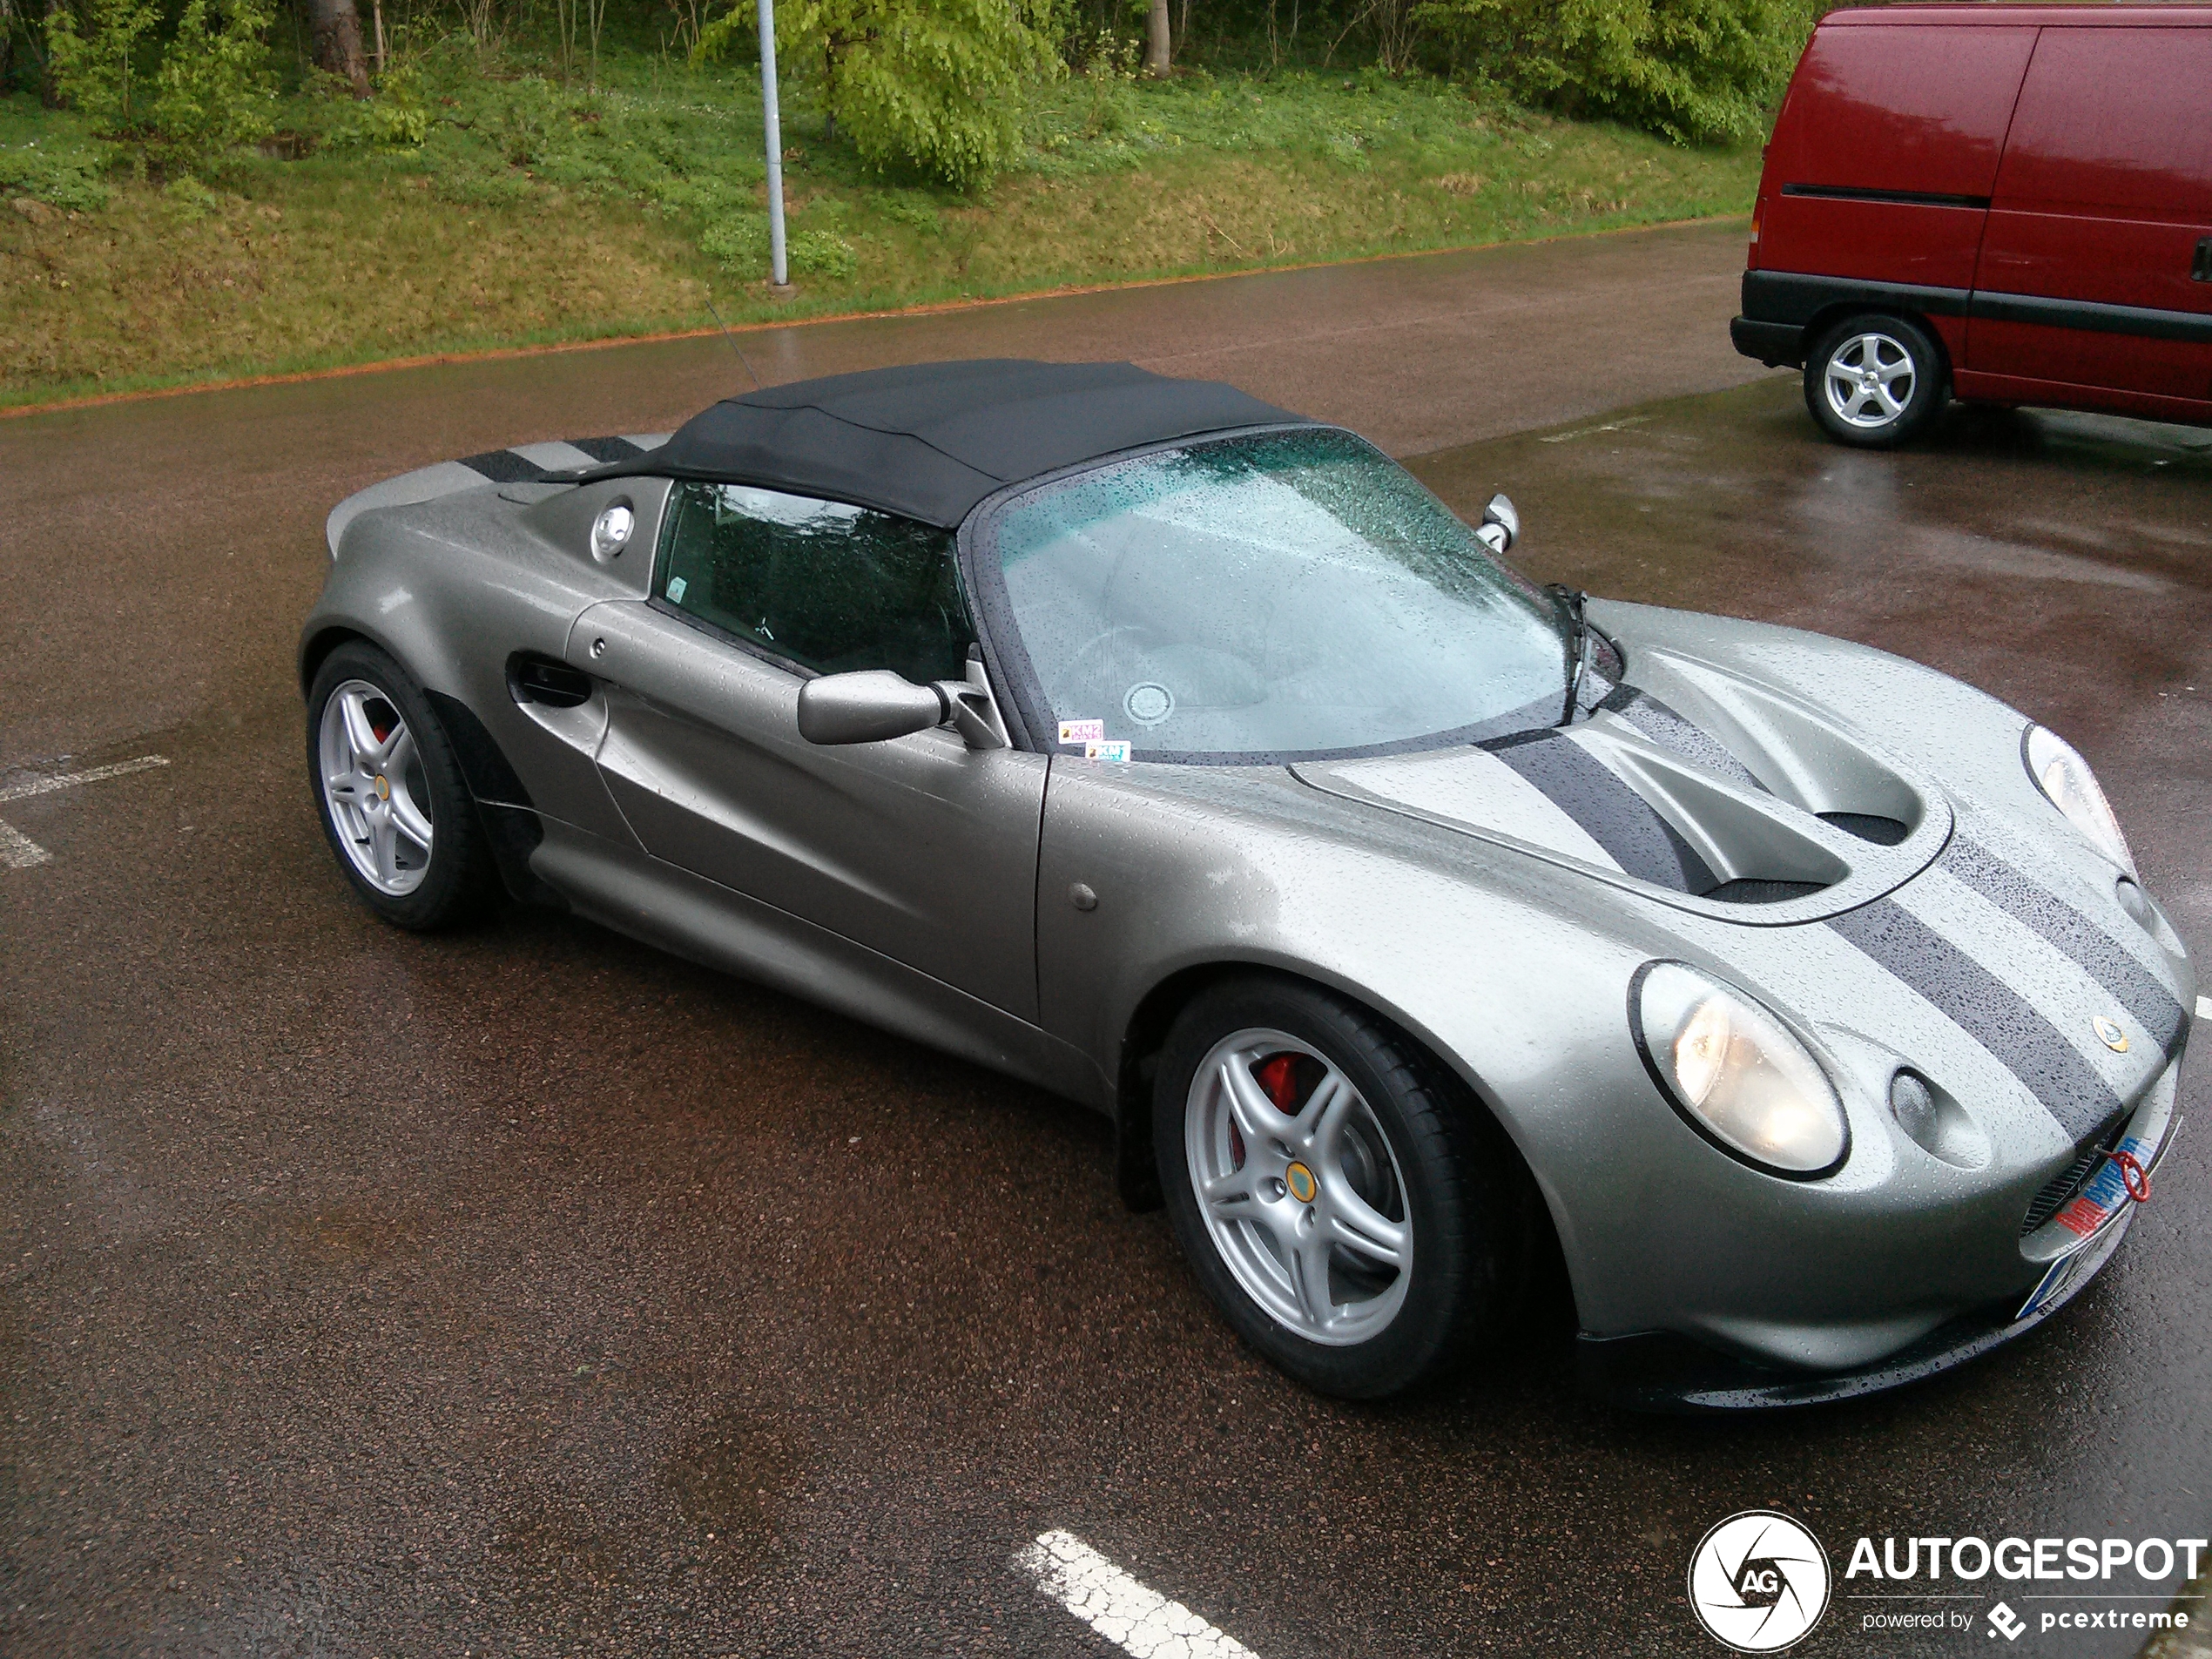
[(774, 125)]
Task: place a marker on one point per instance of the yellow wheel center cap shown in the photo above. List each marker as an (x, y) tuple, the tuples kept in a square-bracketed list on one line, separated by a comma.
[(1300, 1180), (383, 789), (2110, 1034)]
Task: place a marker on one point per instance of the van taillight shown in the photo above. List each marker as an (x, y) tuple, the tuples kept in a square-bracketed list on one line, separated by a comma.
[(1752, 254)]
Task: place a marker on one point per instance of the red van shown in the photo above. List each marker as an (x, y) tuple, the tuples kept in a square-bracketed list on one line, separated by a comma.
[(2001, 203)]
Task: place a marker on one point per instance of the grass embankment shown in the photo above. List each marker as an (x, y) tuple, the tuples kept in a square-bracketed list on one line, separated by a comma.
[(530, 214)]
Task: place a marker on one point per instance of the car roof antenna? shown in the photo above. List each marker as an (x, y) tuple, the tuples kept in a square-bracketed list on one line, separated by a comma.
[(734, 346)]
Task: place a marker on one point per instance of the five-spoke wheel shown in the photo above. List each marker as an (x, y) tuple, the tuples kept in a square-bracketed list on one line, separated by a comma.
[(375, 789), (1300, 1191), (390, 793), (1354, 1212), (1874, 381)]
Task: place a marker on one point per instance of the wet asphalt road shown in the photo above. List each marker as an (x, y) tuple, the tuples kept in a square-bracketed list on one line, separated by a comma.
[(527, 1291)]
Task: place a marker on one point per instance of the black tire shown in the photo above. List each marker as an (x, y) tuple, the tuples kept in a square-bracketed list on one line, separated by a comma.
[(1910, 369), (457, 881), (1462, 1190)]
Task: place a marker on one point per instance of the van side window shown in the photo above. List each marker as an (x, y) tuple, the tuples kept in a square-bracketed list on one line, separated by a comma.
[(819, 583)]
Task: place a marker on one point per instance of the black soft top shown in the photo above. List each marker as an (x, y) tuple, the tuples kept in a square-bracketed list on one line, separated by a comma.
[(930, 440)]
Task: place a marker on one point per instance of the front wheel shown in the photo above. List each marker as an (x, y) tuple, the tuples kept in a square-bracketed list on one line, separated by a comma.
[(1353, 1213), (1874, 381)]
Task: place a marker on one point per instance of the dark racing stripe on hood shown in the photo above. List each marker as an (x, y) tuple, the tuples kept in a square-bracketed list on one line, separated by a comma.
[(1988, 1010), (1676, 735), (2089, 947), (1634, 835)]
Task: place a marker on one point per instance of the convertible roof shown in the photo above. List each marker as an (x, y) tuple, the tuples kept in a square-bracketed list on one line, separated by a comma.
[(930, 440)]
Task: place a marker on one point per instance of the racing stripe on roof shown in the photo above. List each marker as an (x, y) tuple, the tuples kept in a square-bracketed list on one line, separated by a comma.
[(1987, 1009), (1632, 833), (2100, 955)]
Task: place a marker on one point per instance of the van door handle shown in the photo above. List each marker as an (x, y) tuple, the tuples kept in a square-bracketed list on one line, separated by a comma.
[(2202, 271)]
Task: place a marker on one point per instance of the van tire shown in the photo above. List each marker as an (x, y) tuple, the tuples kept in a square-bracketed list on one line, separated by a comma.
[(1875, 381)]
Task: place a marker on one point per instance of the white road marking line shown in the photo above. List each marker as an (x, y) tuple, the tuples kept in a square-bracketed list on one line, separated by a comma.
[(18, 851), (1140, 1622), (91, 775), (1585, 431), (2204, 1007)]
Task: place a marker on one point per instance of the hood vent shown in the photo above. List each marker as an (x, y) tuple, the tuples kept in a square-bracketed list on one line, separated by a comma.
[(1759, 809)]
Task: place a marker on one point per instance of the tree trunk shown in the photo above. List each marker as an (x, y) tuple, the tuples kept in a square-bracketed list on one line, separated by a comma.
[(337, 30), (7, 39), (1156, 48), (49, 95)]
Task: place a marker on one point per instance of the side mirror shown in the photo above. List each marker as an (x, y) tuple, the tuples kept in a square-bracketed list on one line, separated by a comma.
[(874, 705), (869, 706), (1501, 526)]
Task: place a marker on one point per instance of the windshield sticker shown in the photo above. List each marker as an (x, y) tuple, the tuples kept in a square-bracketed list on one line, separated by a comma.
[(676, 586), (1114, 749), (1149, 703), (1083, 731)]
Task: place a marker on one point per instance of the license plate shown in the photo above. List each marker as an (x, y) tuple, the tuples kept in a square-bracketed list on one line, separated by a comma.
[(2065, 1276)]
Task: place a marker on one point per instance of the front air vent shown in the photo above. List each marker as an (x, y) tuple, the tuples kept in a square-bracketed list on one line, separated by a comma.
[(1868, 827), (1749, 890), (2059, 1191)]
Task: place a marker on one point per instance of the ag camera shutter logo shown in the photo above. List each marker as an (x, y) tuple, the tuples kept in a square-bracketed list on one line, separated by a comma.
[(1758, 1582)]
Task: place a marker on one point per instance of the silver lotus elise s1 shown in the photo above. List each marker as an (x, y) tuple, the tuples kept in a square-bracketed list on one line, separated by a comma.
[(1187, 759)]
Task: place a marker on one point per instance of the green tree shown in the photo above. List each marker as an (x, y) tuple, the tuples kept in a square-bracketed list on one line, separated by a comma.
[(938, 86), (95, 70), (210, 90), (215, 91), (1697, 71)]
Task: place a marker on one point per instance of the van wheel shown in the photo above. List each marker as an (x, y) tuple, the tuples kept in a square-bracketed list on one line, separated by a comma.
[(1875, 381)]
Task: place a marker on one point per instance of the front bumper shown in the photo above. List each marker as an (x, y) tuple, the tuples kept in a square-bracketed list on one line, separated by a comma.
[(1657, 1370)]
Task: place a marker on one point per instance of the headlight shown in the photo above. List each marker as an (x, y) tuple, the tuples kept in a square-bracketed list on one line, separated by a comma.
[(1736, 1073), (2064, 777)]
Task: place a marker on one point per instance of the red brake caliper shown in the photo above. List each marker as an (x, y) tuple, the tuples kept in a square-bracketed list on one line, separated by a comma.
[(1278, 1078)]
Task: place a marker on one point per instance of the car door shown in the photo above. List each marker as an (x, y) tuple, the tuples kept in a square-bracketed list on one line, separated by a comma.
[(2096, 264), (919, 847)]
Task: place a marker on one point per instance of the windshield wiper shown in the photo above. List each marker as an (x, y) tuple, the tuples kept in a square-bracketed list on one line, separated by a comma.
[(1572, 602)]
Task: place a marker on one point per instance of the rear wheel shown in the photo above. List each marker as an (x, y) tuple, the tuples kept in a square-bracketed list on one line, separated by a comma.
[(1874, 381), (1353, 1213), (391, 795)]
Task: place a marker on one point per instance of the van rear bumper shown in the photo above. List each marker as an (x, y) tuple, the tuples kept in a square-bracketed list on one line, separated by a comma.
[(1780, 308), (1773, 343)]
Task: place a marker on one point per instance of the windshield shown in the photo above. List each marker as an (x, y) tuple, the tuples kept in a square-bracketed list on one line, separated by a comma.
[(1288, 593)]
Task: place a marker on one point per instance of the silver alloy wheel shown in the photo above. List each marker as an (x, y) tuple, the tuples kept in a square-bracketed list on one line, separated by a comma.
[(375, 788), (1306, 1205), (1862, 379)]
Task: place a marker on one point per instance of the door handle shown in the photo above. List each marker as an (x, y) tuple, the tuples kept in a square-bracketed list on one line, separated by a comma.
[(2202, 271)]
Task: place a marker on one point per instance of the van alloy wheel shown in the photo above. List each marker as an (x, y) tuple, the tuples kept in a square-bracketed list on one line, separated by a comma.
[(1869, 381)]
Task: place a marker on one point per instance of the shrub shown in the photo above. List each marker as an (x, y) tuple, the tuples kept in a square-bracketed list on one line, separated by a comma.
[(936, 85), (211, 91), (215, 91), (63, 177), (1696, 71)]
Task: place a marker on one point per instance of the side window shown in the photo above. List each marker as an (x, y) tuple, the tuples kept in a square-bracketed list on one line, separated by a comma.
[(822, 584)]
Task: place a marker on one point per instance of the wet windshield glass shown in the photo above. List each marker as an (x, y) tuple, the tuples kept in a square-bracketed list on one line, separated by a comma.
[(1288, 593)]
